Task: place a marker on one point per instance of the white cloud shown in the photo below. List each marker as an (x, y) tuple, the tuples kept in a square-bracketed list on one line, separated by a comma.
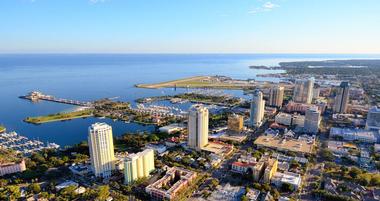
[(97, 1), (267, 6)]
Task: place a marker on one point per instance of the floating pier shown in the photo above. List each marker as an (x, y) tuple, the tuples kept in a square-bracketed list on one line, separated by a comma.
[(36, 96)]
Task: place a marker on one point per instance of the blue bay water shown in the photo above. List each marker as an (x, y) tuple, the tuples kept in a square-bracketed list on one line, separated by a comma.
[(89, 77)]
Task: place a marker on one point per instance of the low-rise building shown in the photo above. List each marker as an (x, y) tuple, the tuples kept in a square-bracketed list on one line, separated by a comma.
[(354, 134), (79, 169), (158, 148), (377, 147), (341, 148), (300, 145), (287, 177), (65, 185), (172, 128), (219, 148), (227, 193), (171, 184), (241, 167), (252, 194), (13, 167)]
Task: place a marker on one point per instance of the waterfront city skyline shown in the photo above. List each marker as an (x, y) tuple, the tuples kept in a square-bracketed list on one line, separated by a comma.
[(214, 100), (216, 26)]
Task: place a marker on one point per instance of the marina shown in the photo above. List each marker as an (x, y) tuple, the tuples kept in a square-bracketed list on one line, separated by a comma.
[(22, 144)]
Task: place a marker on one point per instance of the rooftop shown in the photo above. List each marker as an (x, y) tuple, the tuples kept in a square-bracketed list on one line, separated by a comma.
[(287, 144)]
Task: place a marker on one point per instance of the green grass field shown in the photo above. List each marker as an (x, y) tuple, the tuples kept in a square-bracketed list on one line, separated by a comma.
[(2, 129), (59, 117)]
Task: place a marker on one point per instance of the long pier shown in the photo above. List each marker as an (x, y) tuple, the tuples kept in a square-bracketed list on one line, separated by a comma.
[(36, 96)]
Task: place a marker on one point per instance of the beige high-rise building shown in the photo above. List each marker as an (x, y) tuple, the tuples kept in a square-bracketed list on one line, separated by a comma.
[(198, 127), (235, 123), (100, 142), (342, 98), (312, 120), (276, 96), (303, 91), (257, 109), (138, 165)]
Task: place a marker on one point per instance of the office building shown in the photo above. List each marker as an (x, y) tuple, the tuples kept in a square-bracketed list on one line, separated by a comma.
[(342, 98), (100, 143), (373, 119), (276, 96), (138, 165), (303, 91), (257, 109), (235, 123), (198, 127), (312, 120)]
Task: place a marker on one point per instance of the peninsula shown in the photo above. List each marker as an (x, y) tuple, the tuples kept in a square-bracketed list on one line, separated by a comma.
[(60, 116), (215, 82)]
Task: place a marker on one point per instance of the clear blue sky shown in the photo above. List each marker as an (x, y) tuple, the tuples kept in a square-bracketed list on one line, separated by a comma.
[(190, 26)]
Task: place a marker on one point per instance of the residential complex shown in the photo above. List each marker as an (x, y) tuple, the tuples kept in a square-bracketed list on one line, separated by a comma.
[(342, 98), (303, 91), (276, 96), (312, 120), (198, 127), (139, 165), (100, 142), (171, 184), (257, 109)]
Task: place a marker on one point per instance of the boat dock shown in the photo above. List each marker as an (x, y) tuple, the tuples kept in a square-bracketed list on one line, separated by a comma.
[(36, 96)]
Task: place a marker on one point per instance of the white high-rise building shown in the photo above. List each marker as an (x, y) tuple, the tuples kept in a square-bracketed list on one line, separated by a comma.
[(257, 109), (342, 98), (373, 119), (138, 165), (303, 91), (100, 142), (276, 96), (312, 120), (198, 127)]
